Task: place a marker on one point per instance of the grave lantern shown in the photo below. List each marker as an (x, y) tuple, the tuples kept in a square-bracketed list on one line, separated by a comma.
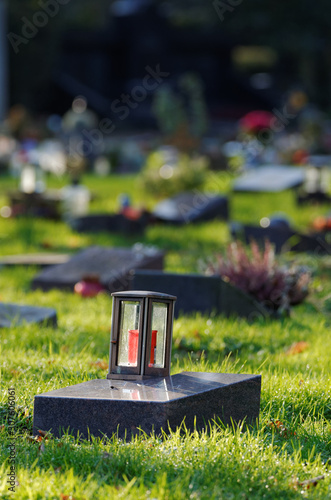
[(141, 334), (139, 393)]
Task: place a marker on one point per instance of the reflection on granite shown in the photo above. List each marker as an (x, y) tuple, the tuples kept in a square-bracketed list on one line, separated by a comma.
[(110, 406), (156, 389)]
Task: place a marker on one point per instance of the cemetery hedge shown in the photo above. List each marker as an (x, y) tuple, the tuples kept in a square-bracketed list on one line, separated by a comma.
[(287, 455)]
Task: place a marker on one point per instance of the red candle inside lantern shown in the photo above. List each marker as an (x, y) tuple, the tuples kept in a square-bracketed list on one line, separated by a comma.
[(133, 347)]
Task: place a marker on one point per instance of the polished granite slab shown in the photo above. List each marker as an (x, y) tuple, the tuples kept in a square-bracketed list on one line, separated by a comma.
[(105, 407)]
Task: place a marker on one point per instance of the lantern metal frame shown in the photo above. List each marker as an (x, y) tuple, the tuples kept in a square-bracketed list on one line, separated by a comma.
[(142, 370)]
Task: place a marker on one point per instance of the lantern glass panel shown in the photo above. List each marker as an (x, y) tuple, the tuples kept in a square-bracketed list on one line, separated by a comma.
[(158, 339), (129, 333)]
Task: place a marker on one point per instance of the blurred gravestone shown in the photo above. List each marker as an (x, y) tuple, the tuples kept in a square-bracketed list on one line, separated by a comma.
[(278, 236), (194, 292), (14, 314), (273, 178), (95, 223), (34, 259), (191, 207), (113, 266), (283, 238), (46, 205)]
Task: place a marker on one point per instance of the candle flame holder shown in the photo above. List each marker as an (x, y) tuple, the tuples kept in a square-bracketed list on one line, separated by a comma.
[(139, 394)]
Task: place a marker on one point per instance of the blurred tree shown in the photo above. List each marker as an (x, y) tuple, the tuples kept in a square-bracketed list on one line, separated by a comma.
[(35, 29), (3, 61), (300, 30)]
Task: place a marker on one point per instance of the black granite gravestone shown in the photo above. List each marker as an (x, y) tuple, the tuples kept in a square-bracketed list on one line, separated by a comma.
[(283, 239), (95, 223), (122, 407), (278, 236), (206, 294), (313, 198), (15, 314), (46, 205), (113, 266), (269, 179), (191, 207), (316, 243)]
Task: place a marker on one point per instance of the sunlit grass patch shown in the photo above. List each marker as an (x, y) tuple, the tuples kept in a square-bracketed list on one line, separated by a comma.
[(287, 455)]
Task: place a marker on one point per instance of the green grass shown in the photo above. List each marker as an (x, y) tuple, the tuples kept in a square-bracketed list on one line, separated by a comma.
[(292, 442)]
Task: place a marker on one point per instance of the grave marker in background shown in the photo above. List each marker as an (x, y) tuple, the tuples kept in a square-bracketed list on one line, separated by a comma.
[(283, 238), (34, 259), (94, 223), (270, 179), (14, 314), (191, 207), (206, 294), (113, 266)]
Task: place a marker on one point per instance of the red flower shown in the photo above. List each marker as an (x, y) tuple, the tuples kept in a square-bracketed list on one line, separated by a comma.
[(255, 121)]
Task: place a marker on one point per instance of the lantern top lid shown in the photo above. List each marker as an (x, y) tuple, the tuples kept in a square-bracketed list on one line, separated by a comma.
[(135, 294)]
